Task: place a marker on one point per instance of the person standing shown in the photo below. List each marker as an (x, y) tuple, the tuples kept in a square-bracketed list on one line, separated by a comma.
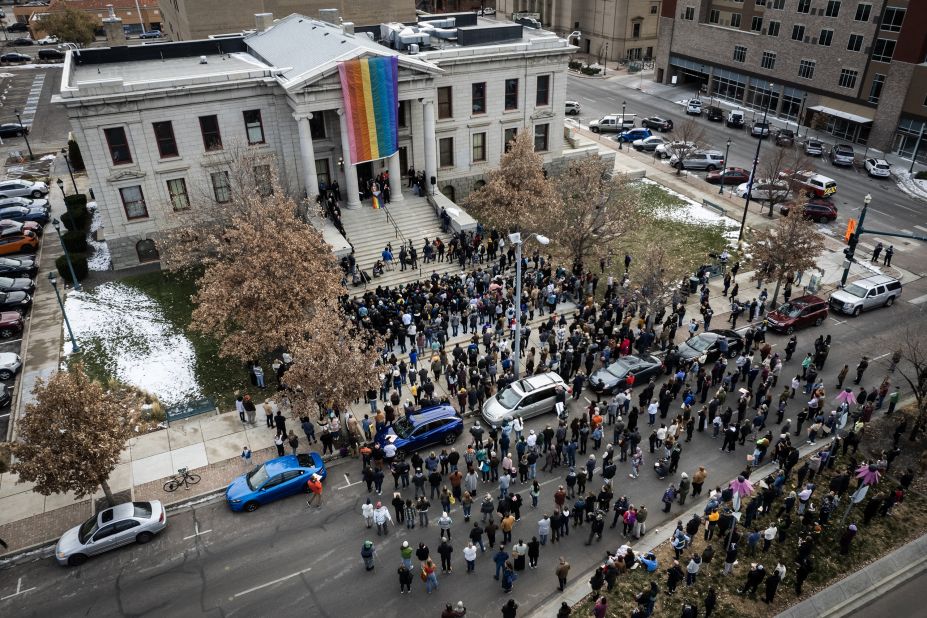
[(510, 609), (500, 558), (563, 570), (315, 491), (246, 456), (382, 518), (445, 550), (861, 369), (367, 553), (405, 579), (469, 553), (430, 571)]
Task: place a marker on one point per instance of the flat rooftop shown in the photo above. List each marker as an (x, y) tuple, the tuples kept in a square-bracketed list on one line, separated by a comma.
[(135, 71)]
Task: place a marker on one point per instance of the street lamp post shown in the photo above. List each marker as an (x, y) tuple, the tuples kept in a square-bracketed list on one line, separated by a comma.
[(727, 149), (756, 161), (60, 184), (850, 251), (515, 239), (54, 281), (64, 152), (67, 254), (621, 141), (25, 134)]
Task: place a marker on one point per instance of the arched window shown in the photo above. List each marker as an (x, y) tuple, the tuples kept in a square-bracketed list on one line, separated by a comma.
[(147, 251), (448, 191)]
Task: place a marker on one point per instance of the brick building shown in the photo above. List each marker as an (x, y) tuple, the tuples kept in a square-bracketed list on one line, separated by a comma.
[(852, 68)]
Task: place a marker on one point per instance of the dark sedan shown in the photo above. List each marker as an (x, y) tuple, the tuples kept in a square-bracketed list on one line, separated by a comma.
[(15, 57), (821, 211), (729, 176), (657, 123), (708, 346), (19, 266), (14, 301), (22, 213), (13, 129), (11, 323), (17, 284), (615, 377)]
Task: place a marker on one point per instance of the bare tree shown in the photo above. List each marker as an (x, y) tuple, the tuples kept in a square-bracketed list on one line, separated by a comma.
[(70, 439), (778, 169), (913, 367), (792, 245), (595, 210), (517, 193), (687, 137)]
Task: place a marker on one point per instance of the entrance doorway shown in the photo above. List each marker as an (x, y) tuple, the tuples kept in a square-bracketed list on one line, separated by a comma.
[(364, 173)]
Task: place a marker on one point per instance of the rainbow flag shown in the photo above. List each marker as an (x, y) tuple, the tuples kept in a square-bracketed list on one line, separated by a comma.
[(370, 87), (376, 202)]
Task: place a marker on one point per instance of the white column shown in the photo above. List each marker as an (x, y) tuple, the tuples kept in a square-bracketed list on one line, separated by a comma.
[(310, 177), (395, 178), (553, 15), (431, 162), (350, 172)]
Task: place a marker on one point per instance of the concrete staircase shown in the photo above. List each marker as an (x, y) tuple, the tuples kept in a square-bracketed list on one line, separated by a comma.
[(369, 231)]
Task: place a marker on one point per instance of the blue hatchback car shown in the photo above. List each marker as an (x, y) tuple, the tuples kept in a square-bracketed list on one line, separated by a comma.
[(430, 425), (272, 480), (632, 134)]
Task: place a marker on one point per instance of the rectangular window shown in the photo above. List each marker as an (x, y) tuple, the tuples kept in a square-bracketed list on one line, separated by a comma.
[(507, 136), (653, 9), (863, 12), (776, 4), (798, 33), (446, 152), (759, 2), (133, 202), (806, 69), (511, 94), (884, 50), (735, 20), (757, 24), (636, 30), (855, 42), (769, 60), (317, 125), (689, 14), (479, 147), (542, 96), (478, 98), (541, 132), (164, 136), (254, 127), (262, 180), (826, 38), (833, 8), (714, 16), (445, 104), (848, 78), (118, 145), (177, 190), (892, 19), (212, 138), (773, 28), (400, 113), (740, 53), (875, 91), (221, 189), (804, 6)]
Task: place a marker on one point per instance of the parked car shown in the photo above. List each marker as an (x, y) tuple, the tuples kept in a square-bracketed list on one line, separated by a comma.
[(878, 168), (842, 154), (760, 129), (527, 397), (18, 26), (48, 40), (438, 424), (612, 123), (8, 226), (10, 364), (735, 119), (798, 313), (22, 188), (6, 396), (11, 323), (573, 108), (272, 480), (665, 151), (15, 57), (707, 346), (614, 377), (765, 190), (785, 137), (694, 107), (699, 160), (129, 522), (865, 294), (22, 213), (488, 11), (21, 42), (633, 134), (150, 34), (7, 202), (17, 243), (15, 301), (13, 129), (657, 123), (814, 148), (19, 266), (648, 144), (17, 284), (820, 211), (51, 54), (714, 114), (729, 176)]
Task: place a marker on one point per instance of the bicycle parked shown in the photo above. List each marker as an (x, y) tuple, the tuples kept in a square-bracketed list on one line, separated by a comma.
[(183, 477)]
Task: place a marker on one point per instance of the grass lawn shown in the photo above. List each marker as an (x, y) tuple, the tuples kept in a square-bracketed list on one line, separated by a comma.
[(881, 536)]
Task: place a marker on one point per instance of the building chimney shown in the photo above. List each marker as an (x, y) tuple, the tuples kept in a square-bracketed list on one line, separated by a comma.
[(263, 21), (329, 15), (348, 27), (112, 25)]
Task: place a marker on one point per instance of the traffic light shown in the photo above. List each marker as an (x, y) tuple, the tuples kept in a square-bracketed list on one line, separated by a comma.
[(851, 229)]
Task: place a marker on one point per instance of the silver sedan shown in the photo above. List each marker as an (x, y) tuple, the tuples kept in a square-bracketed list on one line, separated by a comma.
[(130, 522)]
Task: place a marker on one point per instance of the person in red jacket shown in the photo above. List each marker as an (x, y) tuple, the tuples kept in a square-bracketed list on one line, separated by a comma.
[(315, 491)]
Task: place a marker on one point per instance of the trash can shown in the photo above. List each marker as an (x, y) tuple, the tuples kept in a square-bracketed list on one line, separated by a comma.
[(693, 285)]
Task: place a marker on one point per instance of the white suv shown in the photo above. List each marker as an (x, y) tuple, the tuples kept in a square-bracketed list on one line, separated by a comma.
[(866, 294)]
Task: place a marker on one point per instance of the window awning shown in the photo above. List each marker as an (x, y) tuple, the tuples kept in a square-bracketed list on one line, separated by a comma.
[(830, 111)]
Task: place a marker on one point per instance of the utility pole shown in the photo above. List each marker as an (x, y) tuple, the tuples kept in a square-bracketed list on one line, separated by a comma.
[(756, 161)]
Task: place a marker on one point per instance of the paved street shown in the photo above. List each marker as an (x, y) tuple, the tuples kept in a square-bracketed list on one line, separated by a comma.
[(891, 208), (213, 562)]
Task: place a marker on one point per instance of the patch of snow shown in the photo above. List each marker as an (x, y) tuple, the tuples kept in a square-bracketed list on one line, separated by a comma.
[(141, 347), (695, 212), (101, 259), (48, 157), (909, 184)]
